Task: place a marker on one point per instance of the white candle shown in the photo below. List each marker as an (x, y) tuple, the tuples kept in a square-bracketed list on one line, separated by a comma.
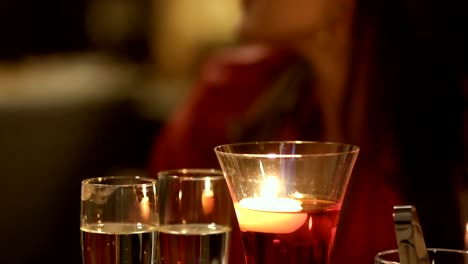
[(270, 215), (207, 197), (145, 205), (145, 208)]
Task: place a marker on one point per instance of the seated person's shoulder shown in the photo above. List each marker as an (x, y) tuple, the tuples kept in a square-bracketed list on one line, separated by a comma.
[(245, 55), (243, 65)]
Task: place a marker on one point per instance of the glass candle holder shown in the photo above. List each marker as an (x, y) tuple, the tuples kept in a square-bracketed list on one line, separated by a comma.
[(287, 197)]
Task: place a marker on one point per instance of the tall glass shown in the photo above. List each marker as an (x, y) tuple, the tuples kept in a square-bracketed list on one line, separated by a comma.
[(287, 197), (119, 220), (436, 256), (195, 216)]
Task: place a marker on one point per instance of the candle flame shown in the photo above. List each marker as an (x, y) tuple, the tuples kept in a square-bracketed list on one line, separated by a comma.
[(310, 223), (271, 184), (270, 187), (145, 205), (144, 191), (207, 184)]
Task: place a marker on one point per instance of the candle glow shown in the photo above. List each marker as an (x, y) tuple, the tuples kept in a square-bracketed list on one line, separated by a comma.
[(145, 205), (208, 197), (270, 187), (269, 213)]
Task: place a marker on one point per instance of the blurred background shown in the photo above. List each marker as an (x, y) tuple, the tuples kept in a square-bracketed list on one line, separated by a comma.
[(85, 86)]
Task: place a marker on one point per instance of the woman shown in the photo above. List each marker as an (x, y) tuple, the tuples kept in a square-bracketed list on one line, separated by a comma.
[(384, 75)]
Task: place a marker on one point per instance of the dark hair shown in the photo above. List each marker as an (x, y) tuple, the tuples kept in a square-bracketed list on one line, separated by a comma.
[(413, 56)]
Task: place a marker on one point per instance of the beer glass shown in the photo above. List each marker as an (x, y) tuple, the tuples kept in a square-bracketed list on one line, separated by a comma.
[(119, 220), (436, 256), (287, 197), (195, 219)]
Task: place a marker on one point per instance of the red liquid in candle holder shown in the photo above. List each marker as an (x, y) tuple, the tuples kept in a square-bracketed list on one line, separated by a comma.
[(310, 243)]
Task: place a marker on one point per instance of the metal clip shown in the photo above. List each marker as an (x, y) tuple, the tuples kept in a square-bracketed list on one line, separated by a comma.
[(411, 245)]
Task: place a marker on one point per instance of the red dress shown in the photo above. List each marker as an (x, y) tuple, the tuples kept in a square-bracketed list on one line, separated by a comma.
[(229, 86)]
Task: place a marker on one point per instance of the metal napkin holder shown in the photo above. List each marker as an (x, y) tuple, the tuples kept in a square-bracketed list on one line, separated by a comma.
[(411, 246)]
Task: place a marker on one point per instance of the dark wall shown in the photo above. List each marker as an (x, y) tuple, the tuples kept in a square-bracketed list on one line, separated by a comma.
[(29, 26), (51, 26), (44, 154)]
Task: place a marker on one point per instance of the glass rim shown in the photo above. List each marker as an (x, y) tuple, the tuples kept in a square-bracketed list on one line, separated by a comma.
[(140, 181), (220, 149), (192, 174), (380, 256)]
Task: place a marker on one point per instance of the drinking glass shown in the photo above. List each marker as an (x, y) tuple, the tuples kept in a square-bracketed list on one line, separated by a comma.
[(436, 256), (287, 197), (195, 219), (119, 220)]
